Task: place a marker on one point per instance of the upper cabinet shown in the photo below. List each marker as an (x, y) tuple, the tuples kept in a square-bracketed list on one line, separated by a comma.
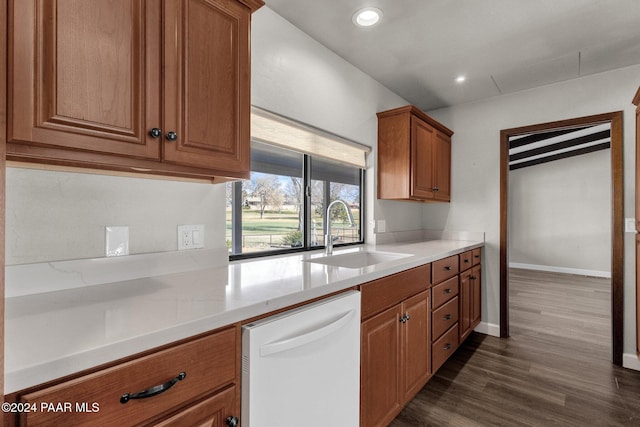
[(131, 85), (414, 156)]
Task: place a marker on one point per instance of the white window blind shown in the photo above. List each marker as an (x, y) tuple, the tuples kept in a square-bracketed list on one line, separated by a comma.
[(276, 130)]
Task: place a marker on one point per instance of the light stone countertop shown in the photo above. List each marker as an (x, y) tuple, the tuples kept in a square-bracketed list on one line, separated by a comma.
[(52, 334)]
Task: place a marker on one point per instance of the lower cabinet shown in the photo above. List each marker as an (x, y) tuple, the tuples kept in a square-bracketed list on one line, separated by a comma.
[(193, 383), (217, 410), (470, 301), (380, 399), (414, 331), (395, 352)]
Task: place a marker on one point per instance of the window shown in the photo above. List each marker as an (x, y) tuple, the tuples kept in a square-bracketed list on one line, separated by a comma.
[(282, 207)]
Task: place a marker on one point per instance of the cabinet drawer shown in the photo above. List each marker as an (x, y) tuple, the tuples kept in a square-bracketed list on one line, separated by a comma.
[(378, 295), (444, 269), (477, 256), (212, 411), (445, 291), (444, 347), (444, 317), (209, 364), (466, 260)]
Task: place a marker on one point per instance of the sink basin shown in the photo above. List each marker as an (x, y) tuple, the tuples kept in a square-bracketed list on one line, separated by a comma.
[(357, 259)]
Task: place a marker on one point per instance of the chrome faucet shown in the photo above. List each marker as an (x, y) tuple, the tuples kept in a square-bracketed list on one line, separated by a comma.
[(327, 238)]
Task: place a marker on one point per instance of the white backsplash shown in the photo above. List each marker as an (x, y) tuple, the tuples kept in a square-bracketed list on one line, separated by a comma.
[(425, 235), (28, 279)]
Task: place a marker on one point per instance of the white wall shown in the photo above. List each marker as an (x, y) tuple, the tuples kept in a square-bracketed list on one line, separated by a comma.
[(60, 216), (297, 77), (560, 214), (475, 202)]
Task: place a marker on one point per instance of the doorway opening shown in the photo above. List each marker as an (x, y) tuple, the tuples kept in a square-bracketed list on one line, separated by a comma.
[(614, 120)]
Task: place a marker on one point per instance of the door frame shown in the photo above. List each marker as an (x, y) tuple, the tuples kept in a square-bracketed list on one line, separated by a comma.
[(617, 220)]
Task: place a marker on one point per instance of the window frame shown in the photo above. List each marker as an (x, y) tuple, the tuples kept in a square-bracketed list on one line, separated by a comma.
[(236, 218)]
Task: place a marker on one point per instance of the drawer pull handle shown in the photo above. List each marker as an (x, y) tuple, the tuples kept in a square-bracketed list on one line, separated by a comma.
[(467, 260), (447, 346), (447, 317), (232, 421), (448, 291), (448, 268), (476, 256), (153, 391), (472, 277)]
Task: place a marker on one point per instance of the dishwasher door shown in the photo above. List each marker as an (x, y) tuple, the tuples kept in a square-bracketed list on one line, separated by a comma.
[(302, 367)]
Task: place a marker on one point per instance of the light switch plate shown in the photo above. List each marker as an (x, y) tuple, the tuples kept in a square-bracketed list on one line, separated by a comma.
[(630, 225), (190, 237), (382, 226), (117, 240)]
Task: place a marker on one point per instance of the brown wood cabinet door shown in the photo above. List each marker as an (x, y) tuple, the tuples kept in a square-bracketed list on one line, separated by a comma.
[(465, 304), (442, 166), (416, 344), (380, 361), (206, 84), (476, 292), (211, 412), (85, 75), (422, 160)]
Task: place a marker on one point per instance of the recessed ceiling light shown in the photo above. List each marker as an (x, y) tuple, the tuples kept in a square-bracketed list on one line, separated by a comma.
[(367, 17), (460, 79)]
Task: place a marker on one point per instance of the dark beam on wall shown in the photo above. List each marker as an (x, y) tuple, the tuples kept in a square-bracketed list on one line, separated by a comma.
[(530, 139), (591, 149), (562, 145)]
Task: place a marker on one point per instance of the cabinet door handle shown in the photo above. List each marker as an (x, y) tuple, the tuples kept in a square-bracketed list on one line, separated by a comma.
[(448, 291), (476, 256), (447, 346), (153, 391), (448, 268), (472, 277), (407, 316), (155, 133), (232, 421), (447, 317), (171, 136), (403, 319)]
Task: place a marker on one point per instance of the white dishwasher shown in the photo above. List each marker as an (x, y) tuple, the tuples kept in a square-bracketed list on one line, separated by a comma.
[(302, 367)]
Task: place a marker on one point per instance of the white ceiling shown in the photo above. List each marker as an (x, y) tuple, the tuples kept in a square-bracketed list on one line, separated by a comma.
[(501, 46)]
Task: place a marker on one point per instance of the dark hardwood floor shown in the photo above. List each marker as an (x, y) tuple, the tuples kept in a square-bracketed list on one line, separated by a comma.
[(555, 370)]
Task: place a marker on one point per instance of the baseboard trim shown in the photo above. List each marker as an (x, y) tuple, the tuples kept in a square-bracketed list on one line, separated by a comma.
[(488, 328), (553, 269), (630, 361)]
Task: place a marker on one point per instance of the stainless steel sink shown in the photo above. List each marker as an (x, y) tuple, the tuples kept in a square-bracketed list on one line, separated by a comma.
[(357, 259)]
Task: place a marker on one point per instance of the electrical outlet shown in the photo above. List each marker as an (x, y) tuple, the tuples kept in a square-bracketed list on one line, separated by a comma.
[(117, 241), (190, 237), (382, 226)]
